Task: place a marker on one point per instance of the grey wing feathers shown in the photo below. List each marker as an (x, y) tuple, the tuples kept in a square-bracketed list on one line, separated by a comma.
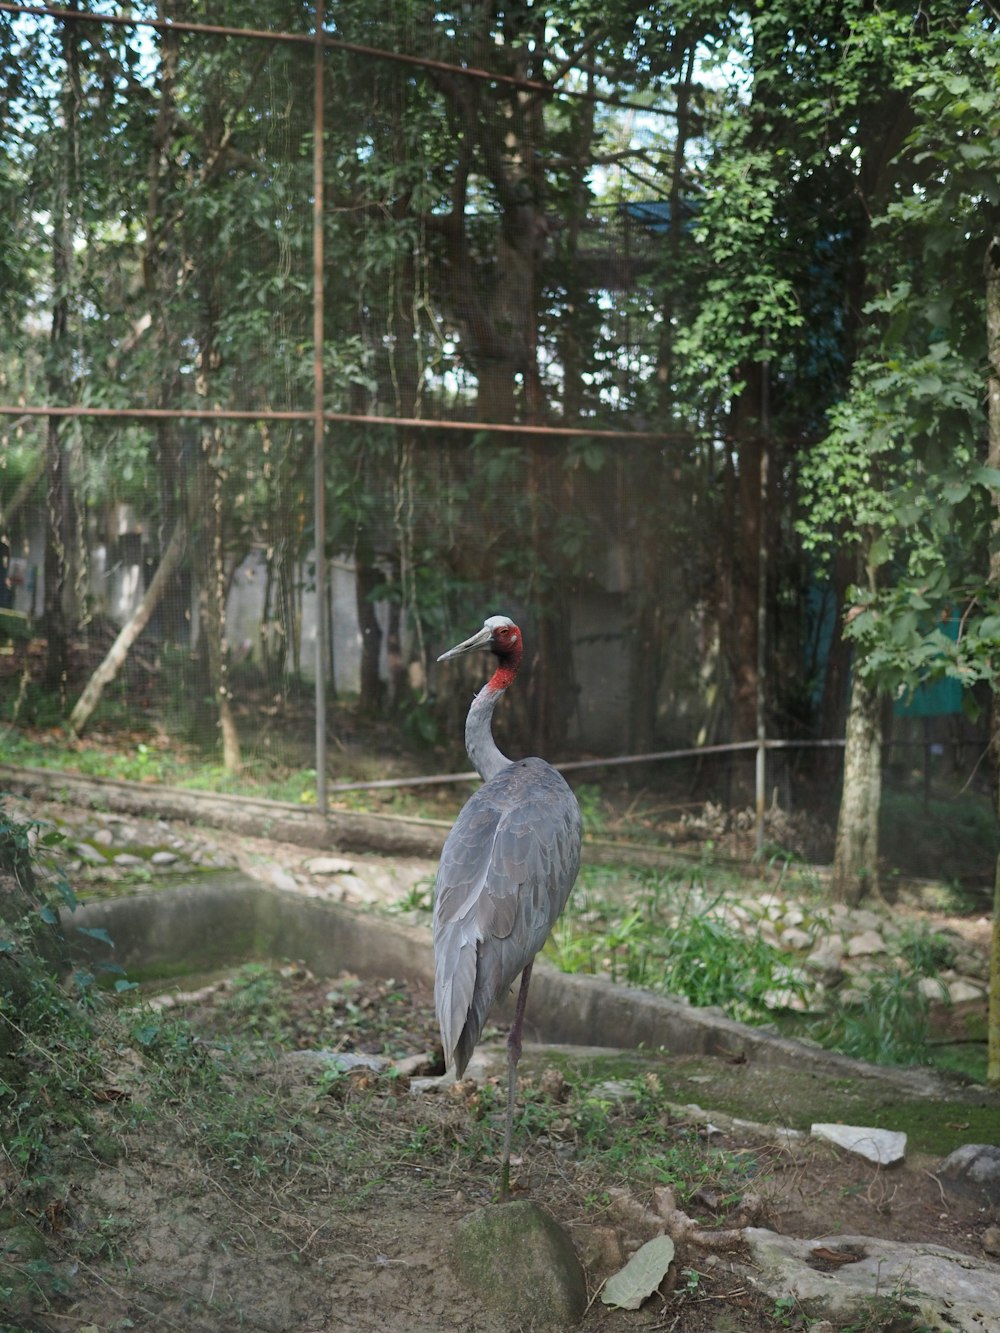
[(506, 871)]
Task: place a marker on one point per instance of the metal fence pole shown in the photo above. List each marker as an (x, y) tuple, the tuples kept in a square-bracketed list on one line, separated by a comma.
[(319, 426)]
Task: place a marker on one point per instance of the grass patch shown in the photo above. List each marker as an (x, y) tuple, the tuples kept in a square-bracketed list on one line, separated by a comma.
[(673, 932), (700, 934)]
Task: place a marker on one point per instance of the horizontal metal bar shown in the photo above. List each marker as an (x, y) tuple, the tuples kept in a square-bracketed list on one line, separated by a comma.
[(334, 43), (697, 751), (359, 418)]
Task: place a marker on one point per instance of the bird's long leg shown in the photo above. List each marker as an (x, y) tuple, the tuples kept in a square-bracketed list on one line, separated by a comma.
[(513, 1055)]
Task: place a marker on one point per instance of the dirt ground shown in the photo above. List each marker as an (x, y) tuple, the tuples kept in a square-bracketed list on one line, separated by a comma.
[(236, 1182), (225, 1176)]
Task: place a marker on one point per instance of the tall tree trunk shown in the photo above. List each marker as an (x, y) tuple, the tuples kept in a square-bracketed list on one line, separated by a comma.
[(118, 652), (993, 459), (213, 589), (855, 860), (59, 537)]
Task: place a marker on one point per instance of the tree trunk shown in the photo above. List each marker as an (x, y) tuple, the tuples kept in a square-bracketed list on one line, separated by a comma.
[(367, 579), (855, 861), (993, 460), (213, 593), (119, 650), (59, 543)]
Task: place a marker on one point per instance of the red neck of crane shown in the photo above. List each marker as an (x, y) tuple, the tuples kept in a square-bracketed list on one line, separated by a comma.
[(508, 664)]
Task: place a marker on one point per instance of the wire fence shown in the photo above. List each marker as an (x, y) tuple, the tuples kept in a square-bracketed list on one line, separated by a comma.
[(319, 349)]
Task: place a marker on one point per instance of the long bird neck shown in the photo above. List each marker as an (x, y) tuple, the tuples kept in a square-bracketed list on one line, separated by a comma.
[(487, 757)]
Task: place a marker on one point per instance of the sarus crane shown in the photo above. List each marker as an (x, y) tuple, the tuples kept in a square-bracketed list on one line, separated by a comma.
[(506, 871)]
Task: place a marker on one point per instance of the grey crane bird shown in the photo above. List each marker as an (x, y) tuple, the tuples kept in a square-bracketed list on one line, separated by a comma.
[(506, 870)]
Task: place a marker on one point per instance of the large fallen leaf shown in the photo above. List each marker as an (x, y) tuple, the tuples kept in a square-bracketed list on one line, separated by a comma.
[(641, 1275)]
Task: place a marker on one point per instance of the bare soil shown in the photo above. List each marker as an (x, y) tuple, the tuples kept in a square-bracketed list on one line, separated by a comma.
[(237, 1181)]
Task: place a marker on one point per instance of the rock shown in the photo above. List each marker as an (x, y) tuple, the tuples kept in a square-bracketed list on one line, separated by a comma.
[(933, 989), (328, 865), (104, 837), (991, 1240), (280, 878), (413, 1066), (864, 920), (794, 938), (521, 1264), (837, 1277), (962, 991), (599, 1247), (90, 854), (883, 1146), (127, 859), (164, 858), (973, 1169), (865, 944), (614, 1090), (825, 961)]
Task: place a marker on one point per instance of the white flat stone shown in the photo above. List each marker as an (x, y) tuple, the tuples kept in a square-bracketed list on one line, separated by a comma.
[(883, 1146)]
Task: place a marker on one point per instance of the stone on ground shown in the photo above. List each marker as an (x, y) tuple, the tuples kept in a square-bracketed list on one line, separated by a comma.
[(519, 1261), (974, 1170), (885, 1147), (838, 1277)]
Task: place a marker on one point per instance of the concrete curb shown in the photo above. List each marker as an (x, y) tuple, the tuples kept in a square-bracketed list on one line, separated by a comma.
[(231, 918)]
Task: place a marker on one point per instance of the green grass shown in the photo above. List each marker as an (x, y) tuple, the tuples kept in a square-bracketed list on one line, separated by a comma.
[(669, 935), (668, 931)]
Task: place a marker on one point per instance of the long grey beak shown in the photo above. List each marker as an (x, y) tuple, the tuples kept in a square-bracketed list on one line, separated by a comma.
[(481, 639)]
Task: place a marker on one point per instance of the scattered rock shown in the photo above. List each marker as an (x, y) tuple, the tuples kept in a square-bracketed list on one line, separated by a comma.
[(973, 1169), (599, 1247), (962, 991), (127, 859), (522, 1264), (86, 852), (826, 959), (421, 1065), (862, 919), (281, 879), (794, 938), (164, 858), (933, 989), (328, 865), (837, 1277), (867, 943), (882, 1146)]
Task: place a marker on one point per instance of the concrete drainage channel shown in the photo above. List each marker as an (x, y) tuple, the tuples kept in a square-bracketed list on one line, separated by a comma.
[(231, 918)]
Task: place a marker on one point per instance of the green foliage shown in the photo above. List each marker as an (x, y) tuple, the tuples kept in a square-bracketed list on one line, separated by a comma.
[(889, 1027), (899, 473), (668, 937)]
